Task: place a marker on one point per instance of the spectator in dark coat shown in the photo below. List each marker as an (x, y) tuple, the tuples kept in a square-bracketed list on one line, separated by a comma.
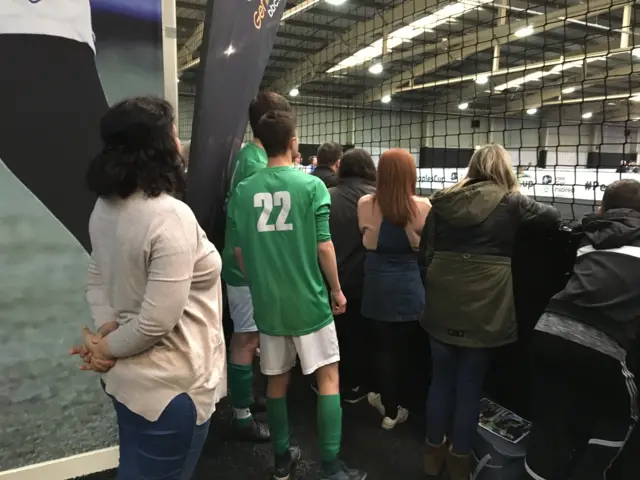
[(329, 155), (356, 178)]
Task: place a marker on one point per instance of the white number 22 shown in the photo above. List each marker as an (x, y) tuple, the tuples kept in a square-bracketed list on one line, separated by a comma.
[(267, 201)]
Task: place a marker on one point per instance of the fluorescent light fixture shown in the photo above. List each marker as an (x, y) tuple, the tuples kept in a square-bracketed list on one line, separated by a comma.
[(532, 111), (635, 98), (538, 75), (335, 2), (569, 90), (376, 68), (524, 31), (407, 33), (636, 52), (482, 79), (463, 106), (587, 115), (298, 9), (386, 99), (294, 92)]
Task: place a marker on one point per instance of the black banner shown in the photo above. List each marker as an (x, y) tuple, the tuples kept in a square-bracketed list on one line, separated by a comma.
[(237, 42)]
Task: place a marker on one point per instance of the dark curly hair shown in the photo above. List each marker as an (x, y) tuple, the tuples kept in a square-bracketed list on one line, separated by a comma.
[(140, 151), (357, 163)]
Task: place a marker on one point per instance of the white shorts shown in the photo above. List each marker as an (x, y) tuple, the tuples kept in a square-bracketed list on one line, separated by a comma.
[(241, 309), (317, 349)]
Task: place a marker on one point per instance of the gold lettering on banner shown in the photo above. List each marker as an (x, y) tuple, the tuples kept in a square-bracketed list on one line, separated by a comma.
[(259, 14), (266, 7)]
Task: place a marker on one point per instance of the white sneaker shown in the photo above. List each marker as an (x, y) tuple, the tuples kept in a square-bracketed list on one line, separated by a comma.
[(375, 401), (389, 423)]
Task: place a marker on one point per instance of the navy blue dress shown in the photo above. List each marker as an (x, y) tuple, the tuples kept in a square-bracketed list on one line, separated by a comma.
[(393, 290)]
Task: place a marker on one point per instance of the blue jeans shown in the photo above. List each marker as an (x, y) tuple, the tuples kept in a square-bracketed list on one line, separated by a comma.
[(453, 405), (167, 449)]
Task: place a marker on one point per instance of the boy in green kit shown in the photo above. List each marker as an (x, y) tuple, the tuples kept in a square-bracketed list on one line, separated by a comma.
[(245, 339), (280, 221)]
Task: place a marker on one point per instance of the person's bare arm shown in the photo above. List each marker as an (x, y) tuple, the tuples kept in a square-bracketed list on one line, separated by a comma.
[(329, 265), (327, 253), (424, 206)]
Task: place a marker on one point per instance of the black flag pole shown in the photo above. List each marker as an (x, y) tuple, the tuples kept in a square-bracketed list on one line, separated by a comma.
[(237, 41)]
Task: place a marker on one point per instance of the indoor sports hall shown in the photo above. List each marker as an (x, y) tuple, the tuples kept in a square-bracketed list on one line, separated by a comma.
[(557, 83)]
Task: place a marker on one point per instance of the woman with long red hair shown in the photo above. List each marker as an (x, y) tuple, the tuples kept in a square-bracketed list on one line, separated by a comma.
[(391, 220)]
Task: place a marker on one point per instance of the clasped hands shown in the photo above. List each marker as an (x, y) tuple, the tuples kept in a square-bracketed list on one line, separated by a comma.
[(94, 351)]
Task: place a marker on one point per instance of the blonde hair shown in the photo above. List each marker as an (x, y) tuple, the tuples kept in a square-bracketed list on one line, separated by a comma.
[(490, 163)]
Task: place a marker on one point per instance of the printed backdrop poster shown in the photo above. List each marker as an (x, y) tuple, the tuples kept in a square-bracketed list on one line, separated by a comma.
[(237, 42), (68, 61)]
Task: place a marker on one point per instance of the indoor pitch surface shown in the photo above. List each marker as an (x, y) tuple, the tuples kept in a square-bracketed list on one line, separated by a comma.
[(386, 455)]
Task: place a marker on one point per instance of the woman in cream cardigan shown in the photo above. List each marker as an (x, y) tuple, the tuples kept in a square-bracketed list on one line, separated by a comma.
[(155, 296)]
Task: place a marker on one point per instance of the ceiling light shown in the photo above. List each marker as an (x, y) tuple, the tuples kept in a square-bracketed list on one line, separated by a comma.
[(463, 106), (635, 98), (636, 52), (376, 68), (532, 111), (611, 104), (335, 2), (294, 92), (386, 99), (587, 115), (229, 50), (524, 31), (406, 33), (569, 90), (482, 79)]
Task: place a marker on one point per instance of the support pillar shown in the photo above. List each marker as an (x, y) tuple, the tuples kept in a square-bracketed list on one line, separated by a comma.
[(170, 53)]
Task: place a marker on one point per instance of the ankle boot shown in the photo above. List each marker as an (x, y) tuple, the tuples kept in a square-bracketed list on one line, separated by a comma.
[(433, 460), (458, 466)]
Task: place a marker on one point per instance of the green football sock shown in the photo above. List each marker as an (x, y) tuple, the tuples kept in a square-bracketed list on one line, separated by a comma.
[(329, 426), (278, 424), (240, 379)]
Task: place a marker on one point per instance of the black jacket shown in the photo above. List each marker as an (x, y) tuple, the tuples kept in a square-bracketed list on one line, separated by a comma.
[(467, 244), (345, 232), (327, 175), (604, 290)]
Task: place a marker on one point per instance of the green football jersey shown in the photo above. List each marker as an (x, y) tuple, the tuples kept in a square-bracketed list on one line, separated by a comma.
[(249, 160), (279, 216)]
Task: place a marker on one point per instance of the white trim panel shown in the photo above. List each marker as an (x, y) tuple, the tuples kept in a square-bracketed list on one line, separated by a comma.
[(68, 467), (626, 250)]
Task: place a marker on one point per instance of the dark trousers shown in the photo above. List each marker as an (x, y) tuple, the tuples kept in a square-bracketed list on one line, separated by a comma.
[(392, 362), (453, 403), (354, 336), (584, 409), (52, 101), (167, 449)]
